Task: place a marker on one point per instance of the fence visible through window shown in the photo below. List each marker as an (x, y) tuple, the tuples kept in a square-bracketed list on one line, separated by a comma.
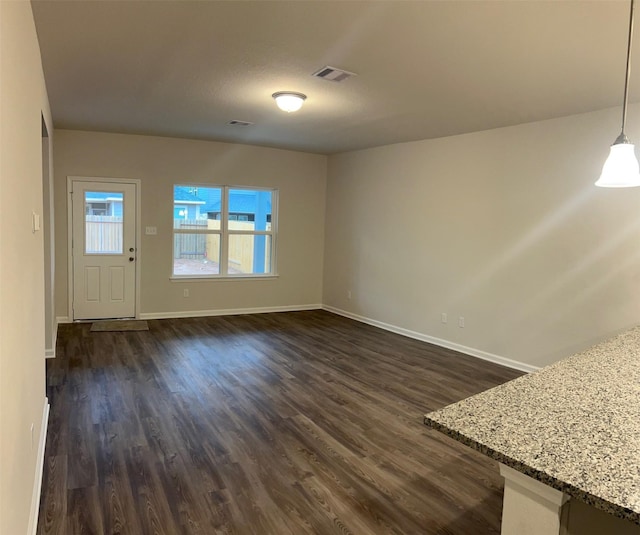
[(205, 248), (103, 234)]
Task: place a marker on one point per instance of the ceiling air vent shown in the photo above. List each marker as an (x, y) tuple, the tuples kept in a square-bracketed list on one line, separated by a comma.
[(332, 74), (239, 123)]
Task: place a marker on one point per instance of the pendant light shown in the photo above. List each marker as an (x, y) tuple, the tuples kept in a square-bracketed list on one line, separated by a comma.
[(621, 169), (289, 101)]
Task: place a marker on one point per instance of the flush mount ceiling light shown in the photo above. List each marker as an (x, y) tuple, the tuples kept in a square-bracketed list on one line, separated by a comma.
[(289, 101), (621, 168)]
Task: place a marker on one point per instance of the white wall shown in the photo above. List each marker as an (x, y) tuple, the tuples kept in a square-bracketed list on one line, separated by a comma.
[(162, 162), (22, 346), (502, 227)]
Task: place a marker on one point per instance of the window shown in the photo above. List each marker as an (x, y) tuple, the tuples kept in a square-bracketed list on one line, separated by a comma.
[(103, 222), (97, 208), (223, 231)]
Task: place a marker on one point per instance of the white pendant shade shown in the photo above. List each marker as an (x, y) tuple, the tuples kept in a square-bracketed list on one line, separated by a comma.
[(289, 101), (621, 169)]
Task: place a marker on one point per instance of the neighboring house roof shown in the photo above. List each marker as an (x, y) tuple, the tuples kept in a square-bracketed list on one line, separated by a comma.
[(181, 195), (102, 196), (239, 203)]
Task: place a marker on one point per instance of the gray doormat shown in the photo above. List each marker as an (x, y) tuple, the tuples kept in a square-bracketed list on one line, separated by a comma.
[(119, 325)]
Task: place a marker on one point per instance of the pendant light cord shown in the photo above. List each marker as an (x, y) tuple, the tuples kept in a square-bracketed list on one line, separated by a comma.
[(623, 137), (621, 170)]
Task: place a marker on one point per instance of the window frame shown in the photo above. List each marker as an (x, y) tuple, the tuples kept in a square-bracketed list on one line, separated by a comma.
[(224, 232)]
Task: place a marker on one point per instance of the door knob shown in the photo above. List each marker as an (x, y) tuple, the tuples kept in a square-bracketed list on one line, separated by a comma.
[(131, 259), (131, 249)]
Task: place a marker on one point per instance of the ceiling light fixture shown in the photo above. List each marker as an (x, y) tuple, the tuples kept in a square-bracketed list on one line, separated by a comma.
[(289, 101), (621, 168)]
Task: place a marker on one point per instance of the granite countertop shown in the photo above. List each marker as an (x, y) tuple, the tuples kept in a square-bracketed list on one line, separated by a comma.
[(574, 425)]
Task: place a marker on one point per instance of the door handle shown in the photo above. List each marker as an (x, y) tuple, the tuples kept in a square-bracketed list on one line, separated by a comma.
[(131, 249), (131, 259)]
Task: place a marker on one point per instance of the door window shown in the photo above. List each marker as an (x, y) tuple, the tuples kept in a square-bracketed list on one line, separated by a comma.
[(103, 222)]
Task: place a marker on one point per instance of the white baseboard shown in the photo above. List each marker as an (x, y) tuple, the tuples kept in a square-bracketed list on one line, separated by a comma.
[(51, 353), (62, 319), (225, 312), (503, 361), (37, 482)]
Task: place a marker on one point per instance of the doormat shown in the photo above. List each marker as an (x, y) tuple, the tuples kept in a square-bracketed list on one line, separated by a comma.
[(119, 325)]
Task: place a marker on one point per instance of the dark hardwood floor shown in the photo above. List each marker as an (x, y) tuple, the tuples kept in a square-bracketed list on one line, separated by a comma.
[(288, 423)]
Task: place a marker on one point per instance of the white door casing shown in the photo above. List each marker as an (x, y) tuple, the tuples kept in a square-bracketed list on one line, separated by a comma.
[(103, 248)]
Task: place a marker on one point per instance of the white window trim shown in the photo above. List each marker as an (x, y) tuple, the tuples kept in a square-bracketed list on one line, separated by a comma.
[(224, 233)]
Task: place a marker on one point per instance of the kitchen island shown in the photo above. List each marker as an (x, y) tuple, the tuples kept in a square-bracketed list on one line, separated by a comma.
[(565, 436)]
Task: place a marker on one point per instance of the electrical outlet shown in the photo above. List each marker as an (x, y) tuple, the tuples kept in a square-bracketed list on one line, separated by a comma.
[(461, 321), (185, 292), (443, 317)]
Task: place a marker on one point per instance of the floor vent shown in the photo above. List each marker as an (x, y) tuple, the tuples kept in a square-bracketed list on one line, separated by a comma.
[(239, 123), (332, 74)]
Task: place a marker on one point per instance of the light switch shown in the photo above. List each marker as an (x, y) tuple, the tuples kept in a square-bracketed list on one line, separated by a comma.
[(151, 231), (35, 222)]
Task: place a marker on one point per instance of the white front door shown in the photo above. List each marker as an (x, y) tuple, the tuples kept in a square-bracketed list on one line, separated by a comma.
[(103, 249)]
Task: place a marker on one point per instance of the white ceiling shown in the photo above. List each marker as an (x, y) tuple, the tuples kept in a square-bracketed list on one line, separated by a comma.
[(425, 69)]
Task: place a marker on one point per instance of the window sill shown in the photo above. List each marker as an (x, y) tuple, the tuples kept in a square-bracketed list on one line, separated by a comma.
[(220, 278)]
